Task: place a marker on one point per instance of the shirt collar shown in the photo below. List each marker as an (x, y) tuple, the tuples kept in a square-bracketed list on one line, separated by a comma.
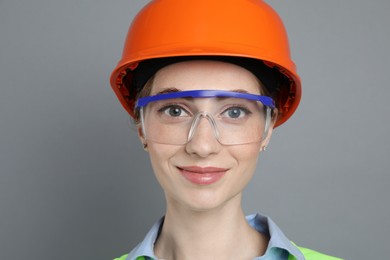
[(259, 222), (265, 225), (146, 247)]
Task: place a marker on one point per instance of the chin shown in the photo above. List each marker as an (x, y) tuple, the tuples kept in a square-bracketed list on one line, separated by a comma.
[(206, 201)]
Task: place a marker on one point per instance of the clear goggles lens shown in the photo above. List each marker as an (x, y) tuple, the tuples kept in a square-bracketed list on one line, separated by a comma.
[(232, 117)]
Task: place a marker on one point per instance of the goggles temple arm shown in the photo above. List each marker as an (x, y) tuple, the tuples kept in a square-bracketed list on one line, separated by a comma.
[(267, 125), (141, 112)]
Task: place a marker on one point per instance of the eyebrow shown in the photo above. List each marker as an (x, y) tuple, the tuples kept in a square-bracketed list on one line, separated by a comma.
[(240, 91), (173, 90), (170, 90)]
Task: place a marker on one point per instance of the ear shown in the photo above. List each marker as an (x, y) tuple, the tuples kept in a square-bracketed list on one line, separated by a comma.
[(141, 135), (265, 142)]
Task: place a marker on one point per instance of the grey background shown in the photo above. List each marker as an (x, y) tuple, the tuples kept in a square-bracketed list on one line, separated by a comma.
[(76, 184)]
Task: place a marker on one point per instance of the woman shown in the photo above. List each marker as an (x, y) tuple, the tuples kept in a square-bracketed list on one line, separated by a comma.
[(206, 82)]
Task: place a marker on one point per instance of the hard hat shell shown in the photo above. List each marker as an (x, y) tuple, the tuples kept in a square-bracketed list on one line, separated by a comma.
[(236, 28)]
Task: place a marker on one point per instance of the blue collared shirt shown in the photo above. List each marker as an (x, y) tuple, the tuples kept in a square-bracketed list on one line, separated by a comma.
[(279, 246)]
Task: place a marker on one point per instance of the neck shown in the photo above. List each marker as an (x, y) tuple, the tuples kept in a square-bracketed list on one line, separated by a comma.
[(221, 233)]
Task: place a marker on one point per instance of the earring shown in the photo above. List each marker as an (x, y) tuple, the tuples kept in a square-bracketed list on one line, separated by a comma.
[(264, 148), (145, 146)]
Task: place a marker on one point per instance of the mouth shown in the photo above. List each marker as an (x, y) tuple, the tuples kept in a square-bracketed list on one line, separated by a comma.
[(202, 175)]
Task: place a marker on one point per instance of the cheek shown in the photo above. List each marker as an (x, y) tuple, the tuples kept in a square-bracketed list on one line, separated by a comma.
[(246, 157), (159, 157), (248, 153)]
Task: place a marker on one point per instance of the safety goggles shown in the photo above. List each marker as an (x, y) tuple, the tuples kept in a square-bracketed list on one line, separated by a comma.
[(234, 117)]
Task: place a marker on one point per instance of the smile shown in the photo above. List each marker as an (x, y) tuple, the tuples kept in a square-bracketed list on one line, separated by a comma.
[(202, 175)]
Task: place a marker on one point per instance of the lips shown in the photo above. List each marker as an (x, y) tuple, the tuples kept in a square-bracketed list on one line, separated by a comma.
[(202, 175)]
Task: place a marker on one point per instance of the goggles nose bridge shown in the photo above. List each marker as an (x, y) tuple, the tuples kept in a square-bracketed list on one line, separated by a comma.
[(196, 121)]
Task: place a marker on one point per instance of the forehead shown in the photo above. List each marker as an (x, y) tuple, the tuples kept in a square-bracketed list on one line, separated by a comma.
[(205, 74)]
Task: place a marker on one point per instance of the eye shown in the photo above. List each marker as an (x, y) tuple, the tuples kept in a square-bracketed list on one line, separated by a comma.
[(173, 111), (236, 112)]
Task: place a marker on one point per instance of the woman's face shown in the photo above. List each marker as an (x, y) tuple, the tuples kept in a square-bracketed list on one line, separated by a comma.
[(204, 174)]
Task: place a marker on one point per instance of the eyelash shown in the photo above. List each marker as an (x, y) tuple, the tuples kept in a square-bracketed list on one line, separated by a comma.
[(163, 109), (166, 107), (237, 107)]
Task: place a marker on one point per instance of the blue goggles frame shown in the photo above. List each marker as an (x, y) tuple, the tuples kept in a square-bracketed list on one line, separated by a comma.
[(266, 101)]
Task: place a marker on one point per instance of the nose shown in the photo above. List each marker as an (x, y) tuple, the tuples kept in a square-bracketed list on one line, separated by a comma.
[(203, 137)]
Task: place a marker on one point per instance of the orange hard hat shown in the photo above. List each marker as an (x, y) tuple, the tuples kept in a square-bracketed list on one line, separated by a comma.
[(233, 28)]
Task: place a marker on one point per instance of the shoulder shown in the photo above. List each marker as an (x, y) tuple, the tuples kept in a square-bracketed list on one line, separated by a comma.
[(314, 255), (124, 257), (121, 258)]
